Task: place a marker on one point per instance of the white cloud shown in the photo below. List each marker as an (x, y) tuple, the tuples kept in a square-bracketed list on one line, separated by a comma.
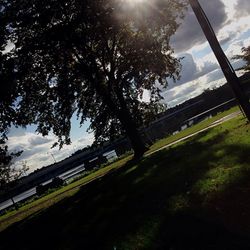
[(230, 8), (179, 94), (37, 149), (231, 20), (190, 33), (242, 7)]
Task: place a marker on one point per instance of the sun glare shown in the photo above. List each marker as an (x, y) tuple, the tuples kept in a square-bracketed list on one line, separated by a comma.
[(134, 2)]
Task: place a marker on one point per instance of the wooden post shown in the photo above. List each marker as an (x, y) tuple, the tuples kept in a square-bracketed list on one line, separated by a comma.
[(225, 65)]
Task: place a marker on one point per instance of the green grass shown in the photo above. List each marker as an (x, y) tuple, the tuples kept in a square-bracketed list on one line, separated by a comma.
[(52, 198), (191, 130), (48, 200), (194, 195)]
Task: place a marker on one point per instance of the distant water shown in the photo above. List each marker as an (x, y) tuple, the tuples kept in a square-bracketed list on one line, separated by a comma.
[(22, 196)]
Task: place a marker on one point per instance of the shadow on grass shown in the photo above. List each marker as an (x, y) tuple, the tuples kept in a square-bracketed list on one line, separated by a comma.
[(151, 205)]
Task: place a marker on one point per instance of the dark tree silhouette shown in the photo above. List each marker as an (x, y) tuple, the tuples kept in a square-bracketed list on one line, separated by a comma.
[(245, 56), (91, 57), (8, 173)]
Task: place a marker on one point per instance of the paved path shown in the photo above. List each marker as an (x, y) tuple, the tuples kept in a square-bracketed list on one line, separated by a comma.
[(214, 124)]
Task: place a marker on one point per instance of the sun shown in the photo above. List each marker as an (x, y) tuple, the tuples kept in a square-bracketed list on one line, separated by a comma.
[(136, 8), (134, 2)]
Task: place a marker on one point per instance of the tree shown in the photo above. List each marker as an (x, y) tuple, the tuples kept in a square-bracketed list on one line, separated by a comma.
[(245, 56), (94, 58), (8, 173)]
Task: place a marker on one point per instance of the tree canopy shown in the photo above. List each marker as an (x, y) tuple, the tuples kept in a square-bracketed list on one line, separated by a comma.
[(93, 58)]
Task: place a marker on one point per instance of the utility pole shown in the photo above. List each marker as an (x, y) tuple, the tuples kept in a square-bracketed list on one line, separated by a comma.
[(225, 65), (52, 156)]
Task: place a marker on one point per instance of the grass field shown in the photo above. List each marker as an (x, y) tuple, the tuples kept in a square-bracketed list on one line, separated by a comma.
[(194, 195), (34, 206)]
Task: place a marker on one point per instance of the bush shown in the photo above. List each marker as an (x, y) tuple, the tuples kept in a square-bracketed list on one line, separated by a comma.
[(56, 183)]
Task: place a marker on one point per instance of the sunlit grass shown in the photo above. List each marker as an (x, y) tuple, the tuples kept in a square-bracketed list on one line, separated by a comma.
[(170, 197), (191, 130), (71, 189), (60, 194)]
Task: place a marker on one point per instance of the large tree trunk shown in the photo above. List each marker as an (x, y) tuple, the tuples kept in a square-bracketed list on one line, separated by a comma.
[(133, 134), (122, 113), (130, 126)]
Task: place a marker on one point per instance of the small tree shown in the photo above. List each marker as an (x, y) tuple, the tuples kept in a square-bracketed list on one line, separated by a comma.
[(245, 56), (9, 174)]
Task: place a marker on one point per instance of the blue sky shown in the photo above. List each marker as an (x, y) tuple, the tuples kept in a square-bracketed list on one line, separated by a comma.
[(200, 70)]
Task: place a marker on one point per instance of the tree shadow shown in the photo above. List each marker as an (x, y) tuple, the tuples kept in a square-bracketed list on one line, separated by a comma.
[(186, 231), (116, 207)]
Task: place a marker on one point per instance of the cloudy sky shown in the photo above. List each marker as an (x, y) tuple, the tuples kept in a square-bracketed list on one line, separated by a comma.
[(231, 21), (200, 70)]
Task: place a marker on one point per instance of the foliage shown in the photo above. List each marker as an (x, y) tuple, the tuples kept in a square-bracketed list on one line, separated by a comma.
[(49, 187), (93, 58), (245, 56), (8, 173)]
